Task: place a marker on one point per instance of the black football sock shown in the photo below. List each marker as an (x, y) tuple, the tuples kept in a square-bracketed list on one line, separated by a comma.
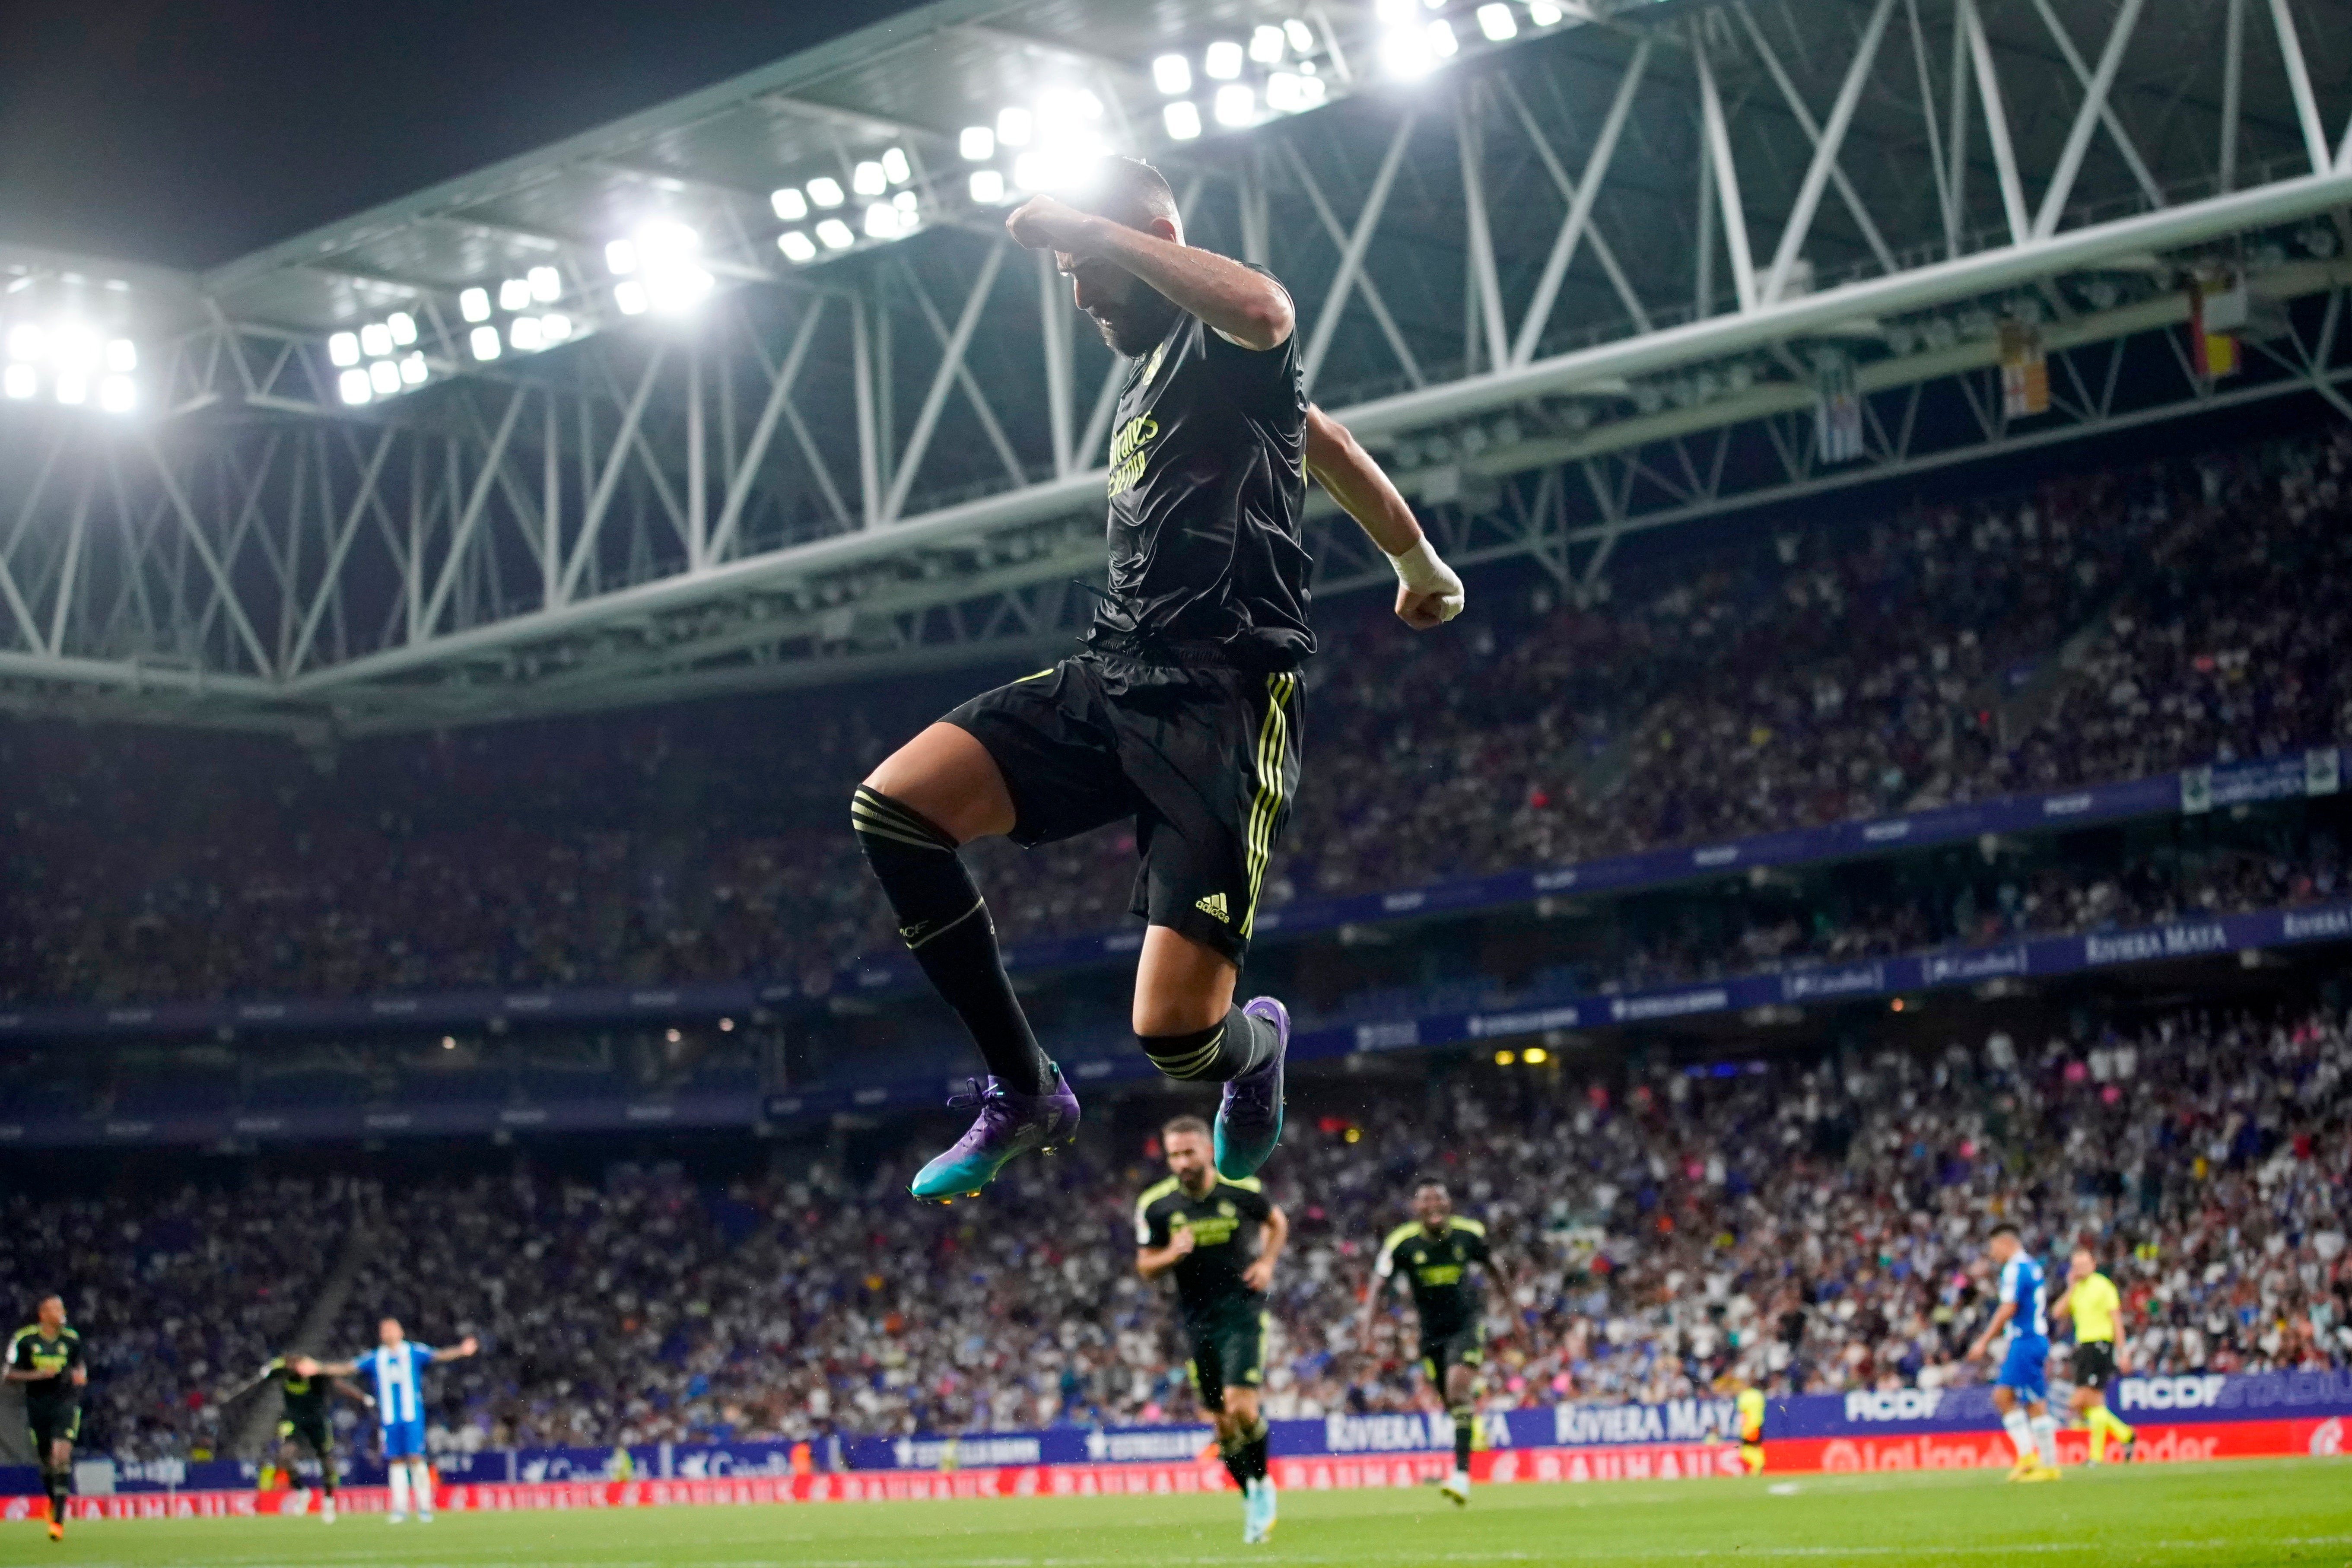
[(1215, 1055), (1252, 1451), (1231, 1453), (944, 922), (59, 1491), (1463, 1428), (327, 1475)]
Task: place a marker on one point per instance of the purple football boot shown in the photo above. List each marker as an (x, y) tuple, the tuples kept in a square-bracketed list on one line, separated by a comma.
[(1009, 1125)]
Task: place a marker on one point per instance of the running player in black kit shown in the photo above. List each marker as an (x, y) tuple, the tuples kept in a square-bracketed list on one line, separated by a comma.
[(1220, 1238), (1435, 1252), (1183, 712), (45, 1356)]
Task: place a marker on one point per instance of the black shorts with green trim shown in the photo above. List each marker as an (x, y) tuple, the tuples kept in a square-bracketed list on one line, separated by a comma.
[(1206, 761), (52, 1421), (2093, 1363), (313, 1434), (1464, 1346), (1228, 1350)]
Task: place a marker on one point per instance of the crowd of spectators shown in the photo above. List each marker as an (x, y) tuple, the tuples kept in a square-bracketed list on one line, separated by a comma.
[(1814, 1226), (2117, 624)]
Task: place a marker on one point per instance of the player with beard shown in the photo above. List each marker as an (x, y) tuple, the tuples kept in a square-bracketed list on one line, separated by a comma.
[(1183, 709)]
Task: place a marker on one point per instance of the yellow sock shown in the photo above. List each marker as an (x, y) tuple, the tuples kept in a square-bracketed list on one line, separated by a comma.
[(2107, 1423), (1752, 1456), (2098, 1437)]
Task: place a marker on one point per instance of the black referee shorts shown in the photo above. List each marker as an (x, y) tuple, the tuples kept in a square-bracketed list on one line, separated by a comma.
[(1205, 760), (2094, 1364)]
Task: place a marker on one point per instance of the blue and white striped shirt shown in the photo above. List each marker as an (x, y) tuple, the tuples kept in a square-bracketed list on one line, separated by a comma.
[(2022, 1282), (395, 1369)]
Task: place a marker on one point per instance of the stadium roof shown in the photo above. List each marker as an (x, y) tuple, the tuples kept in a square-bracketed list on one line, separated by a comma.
[(748, 389)]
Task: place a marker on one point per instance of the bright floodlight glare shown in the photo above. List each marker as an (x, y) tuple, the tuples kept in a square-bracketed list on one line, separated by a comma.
[(26, 342), (122, 356), (20, 379), (1442, 41), (384, 377), (1301, 36), (73, 386), (412, 370), (76, 348), (1182, 118), (1173, 75), (546, 284), (1236, 104), (403, 327), (1544, 14), (629, 297), (987, 186), (1014, 127), (796, 245), (790, 205), (825, 192), (868, 179), (353, 386), (485, 343), (836, 235), (1312, 90), (1398, 12), (977, 143), (524, 334), (1265, 45), (343, 348), (554, 327), (1036, 171), (1285, 92), (514, 294), (118, 394), (1224, 61), (881, 221), (619, 260), (896, 167), (1497, 23), (473, 304), (375, 339)]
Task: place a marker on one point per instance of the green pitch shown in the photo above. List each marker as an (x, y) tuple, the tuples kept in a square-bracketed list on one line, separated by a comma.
[(2272, 1511)]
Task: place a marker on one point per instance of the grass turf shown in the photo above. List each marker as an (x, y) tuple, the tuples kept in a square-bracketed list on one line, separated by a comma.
[(2257, 1512)]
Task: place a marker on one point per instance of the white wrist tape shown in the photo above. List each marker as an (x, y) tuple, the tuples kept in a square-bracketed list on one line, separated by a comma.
[(1420, 570)]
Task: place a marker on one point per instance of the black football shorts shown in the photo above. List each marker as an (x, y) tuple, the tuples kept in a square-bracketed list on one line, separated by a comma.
[(1205, 760), (2094, 1364)]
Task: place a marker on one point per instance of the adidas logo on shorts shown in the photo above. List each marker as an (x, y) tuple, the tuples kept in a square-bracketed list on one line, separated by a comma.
[(1214, 904)]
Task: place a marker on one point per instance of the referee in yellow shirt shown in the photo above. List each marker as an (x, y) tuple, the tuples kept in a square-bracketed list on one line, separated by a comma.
[(2091, 1302)]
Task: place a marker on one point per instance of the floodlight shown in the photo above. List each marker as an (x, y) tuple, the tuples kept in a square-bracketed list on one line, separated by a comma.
[(620, 259), (118, 394), (20, 379), (1442, 41), (122, 356), (375, 339), (75, 347), (790, 205), (383, 377), (1404, 52), (354, 386), (881, 221), (1173, 75), (836, 235), (473, 304), (546, 284), (554, 327), (1265, 45), (1544, 14), (796, 245), (670, 256), (1301, 36), (27, 342), (1182, 118), (1064, 117), (485, 341), (978, 143), (514, 294), (413, 371), (1224, 61), (629, 297), (1236, 104), (868, 179), (987, 186), (344, 349), (1312, 90), (1497, 23), (1036, 171), (403, 327), (1014, 127), (1398, 12), (896, 166), (826, 190), (72, 386), (1281, 92), (524, 334)]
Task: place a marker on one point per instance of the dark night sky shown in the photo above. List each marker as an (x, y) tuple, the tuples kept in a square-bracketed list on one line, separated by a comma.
[(190, 132)]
